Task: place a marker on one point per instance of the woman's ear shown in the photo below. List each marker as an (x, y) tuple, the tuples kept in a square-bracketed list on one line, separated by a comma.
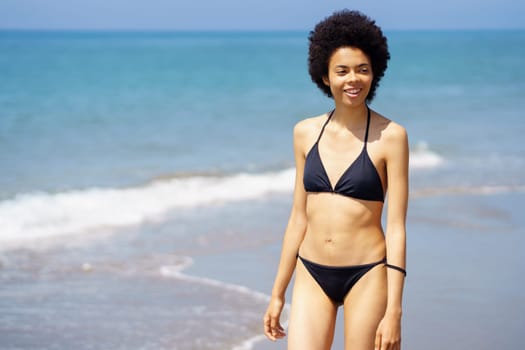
[(326, 81)]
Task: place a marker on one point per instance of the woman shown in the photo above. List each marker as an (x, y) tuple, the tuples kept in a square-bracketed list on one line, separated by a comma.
[(345, 162)]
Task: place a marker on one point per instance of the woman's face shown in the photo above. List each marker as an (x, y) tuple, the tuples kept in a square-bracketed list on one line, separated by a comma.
[(349, 76)]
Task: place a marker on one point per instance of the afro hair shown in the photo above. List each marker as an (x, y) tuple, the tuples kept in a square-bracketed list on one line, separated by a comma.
[(346, 29)]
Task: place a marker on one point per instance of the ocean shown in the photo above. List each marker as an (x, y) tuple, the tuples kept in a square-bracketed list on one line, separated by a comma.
[(147, 176)]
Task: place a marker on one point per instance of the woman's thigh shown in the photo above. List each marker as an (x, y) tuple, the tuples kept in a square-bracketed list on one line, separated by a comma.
[(364, 307), (312, 315)]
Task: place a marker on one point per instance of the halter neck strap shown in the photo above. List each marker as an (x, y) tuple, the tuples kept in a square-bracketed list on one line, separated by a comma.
[(324, 125), (367, 124), (330, 117)]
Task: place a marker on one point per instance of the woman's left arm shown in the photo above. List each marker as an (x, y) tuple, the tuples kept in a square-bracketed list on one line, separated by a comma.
[(389, 331)]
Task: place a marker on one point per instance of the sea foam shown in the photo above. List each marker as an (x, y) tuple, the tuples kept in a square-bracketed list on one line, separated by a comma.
[(421, 157), (38, 215), (176, 271)]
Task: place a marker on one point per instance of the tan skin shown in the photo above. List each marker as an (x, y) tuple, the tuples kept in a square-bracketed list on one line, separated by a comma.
[(335, 230)]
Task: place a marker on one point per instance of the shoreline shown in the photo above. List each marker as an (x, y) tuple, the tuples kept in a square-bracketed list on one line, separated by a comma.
[(455, 285), (456, 248)]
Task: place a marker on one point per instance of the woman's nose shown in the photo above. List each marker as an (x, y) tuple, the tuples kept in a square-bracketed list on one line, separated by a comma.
[(351, 76)]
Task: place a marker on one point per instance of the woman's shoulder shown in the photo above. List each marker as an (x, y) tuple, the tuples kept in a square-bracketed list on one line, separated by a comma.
[(309, 126), (390, 130)]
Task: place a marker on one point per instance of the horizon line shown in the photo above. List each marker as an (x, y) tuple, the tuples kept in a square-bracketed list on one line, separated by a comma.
[(240, 30)]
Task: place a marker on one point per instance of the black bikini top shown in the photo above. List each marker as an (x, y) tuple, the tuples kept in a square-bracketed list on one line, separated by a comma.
[(360, 180)]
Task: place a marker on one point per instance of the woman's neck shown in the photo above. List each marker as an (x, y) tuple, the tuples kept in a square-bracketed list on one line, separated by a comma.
[(350, 116)]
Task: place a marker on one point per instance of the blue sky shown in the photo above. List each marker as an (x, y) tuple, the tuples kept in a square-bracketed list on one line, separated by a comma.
[(255, 15)]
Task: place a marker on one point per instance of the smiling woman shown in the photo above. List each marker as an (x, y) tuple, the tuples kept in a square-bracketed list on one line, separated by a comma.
[(334, 239), (349, 75)]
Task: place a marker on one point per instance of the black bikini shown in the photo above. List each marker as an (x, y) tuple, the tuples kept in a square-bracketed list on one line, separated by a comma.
[(360, 181), (336, 281)]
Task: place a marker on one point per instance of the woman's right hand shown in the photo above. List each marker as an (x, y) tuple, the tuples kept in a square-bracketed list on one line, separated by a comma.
[(272, 325)]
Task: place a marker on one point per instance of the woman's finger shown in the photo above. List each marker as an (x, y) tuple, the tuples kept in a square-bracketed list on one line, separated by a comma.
[(268, 328), (377, 342)]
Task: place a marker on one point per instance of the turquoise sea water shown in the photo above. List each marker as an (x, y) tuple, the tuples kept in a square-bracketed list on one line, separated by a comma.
[(120, 109), (130, 160)]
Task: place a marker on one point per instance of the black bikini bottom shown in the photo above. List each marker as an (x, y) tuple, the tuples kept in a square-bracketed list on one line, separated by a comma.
[(337, 281)]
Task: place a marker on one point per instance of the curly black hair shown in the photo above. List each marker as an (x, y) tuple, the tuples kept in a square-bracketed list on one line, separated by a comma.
[(346, 29)]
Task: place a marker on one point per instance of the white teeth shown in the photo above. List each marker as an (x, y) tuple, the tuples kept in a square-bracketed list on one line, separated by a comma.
[(353, 91)]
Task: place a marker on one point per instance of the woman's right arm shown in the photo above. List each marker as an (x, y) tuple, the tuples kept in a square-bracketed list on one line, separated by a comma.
[(293, 237)]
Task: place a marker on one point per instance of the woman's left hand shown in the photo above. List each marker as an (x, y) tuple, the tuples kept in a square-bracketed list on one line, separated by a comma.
[(388, 334)]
